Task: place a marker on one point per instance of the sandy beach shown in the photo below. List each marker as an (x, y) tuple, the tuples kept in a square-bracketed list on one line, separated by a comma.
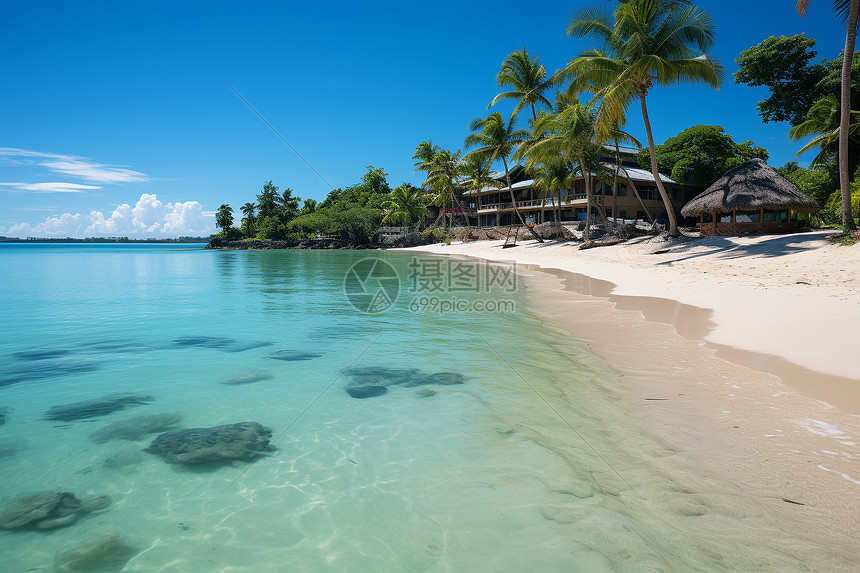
[(739, 352)]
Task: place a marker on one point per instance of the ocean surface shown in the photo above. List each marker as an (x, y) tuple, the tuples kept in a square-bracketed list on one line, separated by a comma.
[(421, 420)]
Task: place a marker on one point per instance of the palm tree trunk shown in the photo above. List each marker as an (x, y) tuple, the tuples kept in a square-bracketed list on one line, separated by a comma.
[(514, 202), (615, 184), (670, 210), (639, 198), (845, 116), (586, 179)]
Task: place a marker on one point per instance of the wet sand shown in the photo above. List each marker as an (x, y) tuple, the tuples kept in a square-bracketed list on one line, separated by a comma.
[(781, 433)]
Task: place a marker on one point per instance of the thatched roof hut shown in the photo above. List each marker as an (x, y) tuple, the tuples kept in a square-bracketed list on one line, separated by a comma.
[(752, 197)]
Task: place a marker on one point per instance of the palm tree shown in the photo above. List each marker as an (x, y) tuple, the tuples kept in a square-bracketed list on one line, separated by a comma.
[(528, 80), (646, 44), (551, 177), (478, 170), (822, 122), (849, 10), (405, 206), (571, 135), (424, 153), (248, 209), (496, 140), (443, 173)]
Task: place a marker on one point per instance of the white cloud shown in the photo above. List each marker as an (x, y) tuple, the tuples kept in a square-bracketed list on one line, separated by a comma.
[(51, 187), (77, 167), (148, 218)]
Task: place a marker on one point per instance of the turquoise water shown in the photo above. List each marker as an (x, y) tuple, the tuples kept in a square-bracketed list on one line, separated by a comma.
[(531, 464)]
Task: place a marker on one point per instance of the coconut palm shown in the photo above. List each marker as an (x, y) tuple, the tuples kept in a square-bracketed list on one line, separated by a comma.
[(405, 206), (527, 79), (477, 171), (571, 135), (249, 209), (849, 10), (645, 44), (552, 176), (424, 153), (822, 123), (443, 174), (497, 140)]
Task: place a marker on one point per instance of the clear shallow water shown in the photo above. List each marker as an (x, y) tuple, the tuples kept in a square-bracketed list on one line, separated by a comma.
[(532, 465)]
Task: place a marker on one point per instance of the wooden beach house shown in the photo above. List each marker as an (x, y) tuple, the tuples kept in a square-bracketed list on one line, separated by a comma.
[(492, 206), (751, 198)]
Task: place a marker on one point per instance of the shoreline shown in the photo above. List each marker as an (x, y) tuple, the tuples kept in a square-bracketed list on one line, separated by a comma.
[(793, 455), (760, 308)]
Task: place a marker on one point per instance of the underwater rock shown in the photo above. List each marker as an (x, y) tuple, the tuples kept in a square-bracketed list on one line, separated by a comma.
[(40, 353), (246, 346), (4, 411), (293, 355), (247, 377), (48, 510), (425, 392), (221, 343), (199, 445), (365, 382), (44, 369), (135, 428), (103, 553), (366, 391), (9, 448), (204, 341), (123, 459), (97, 407)]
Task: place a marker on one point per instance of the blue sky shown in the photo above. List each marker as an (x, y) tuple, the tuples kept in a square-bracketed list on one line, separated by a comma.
[(115, 118)]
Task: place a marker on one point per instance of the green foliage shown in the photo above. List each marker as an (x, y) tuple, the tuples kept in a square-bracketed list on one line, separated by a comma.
[(288, 206), (309, 207), (356, 225), (371, 192), (224, 217), (267, 199), (405, 207), (817, 183), (528, 82), (271, 228), (784, 65), (700, 155)]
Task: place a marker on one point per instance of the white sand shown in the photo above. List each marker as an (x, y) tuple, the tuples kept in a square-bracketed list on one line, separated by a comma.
[(794, 296)]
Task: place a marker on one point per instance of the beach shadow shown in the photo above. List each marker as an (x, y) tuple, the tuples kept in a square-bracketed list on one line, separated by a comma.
[(773, 246)]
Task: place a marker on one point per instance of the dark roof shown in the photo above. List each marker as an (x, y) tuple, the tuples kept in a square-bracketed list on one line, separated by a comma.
[(749, 187)]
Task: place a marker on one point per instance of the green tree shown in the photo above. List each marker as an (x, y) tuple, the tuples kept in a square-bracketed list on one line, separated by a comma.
[(571, 135), (645, 44), (248, 225), (288, 206), (822, 125), (443, 177), (224, 217), (405, 206), (267, 200), (528, 81), (309, 206), (849, 10), (701, 154), (477, 172), (497, 140), (782, 64), (817, 183)]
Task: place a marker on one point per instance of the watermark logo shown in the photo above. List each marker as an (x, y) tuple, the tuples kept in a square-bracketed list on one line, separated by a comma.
[(436, 285), (371, 285)]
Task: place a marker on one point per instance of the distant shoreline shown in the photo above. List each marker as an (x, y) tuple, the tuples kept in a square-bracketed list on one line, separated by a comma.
[(101, 240)]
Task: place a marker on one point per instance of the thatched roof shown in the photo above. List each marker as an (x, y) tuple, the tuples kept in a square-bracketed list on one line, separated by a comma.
[(749, 187)]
